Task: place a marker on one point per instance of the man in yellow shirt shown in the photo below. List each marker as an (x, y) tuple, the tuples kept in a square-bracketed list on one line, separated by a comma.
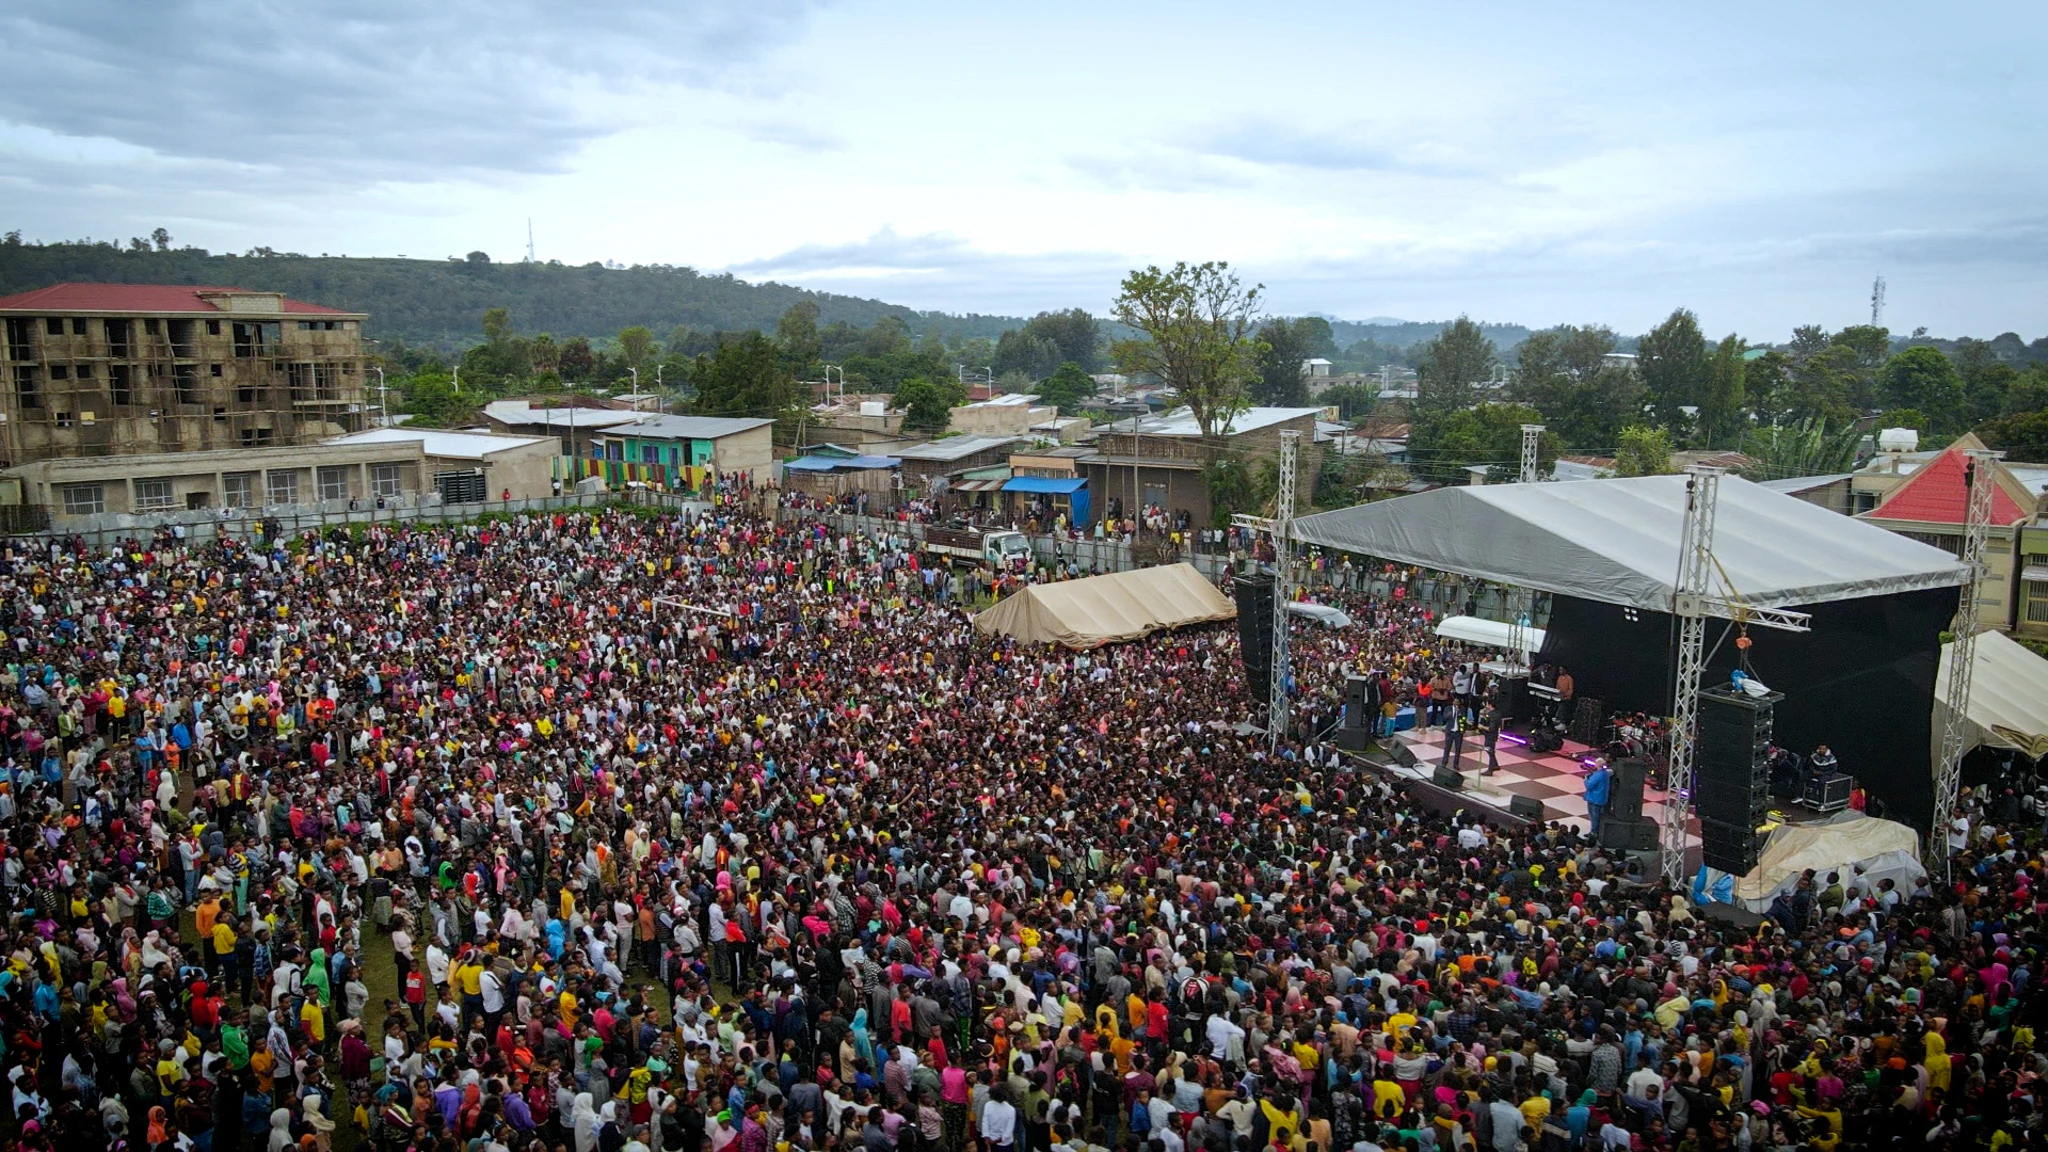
[(313, 1018), (469, 975), (223, 948)]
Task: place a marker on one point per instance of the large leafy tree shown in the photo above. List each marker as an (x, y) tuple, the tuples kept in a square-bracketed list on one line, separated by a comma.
[(1067, 387), (1644, 451), (1021, 353), (1924, 379), (2024, 436), (1450, 368), (927, 403), (1672, 358), (1197, 326), (1585, 400), (744, 376), (637, 348), (1807, 448), (1722, 415), (1286, 344), (796, 334), (1074, 335), (1486, 434)]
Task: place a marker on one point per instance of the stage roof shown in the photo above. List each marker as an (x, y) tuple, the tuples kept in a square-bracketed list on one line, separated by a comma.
[(1105, 609), (1617, 541)]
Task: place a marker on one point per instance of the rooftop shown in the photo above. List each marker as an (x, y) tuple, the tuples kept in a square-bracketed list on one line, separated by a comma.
[(687, 427), (173, 298), (1935, 494), (1181, 422), (436, 442), (1007, 400), (523, 412), (955, 447)]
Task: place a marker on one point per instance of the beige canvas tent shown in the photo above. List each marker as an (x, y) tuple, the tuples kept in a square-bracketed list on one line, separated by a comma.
[(2008, 697), (1105, 609)]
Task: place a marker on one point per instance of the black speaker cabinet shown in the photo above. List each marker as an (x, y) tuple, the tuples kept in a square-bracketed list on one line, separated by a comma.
[(1403, 755), (1448, 777), (1254, 597), (1734, 848), (1625, 790), (1526, 807), (1357, 690), (1628, 835)]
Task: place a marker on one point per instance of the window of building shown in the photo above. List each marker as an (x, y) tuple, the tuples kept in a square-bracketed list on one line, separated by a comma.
[(117, 337), (650, 454), (84, 499), (60, 371), (213, 327), (21, 338), (464, 487), (121, 391), (281, 487), (153, 495), (258, 437), (2037, 601), (216, 371), (386, 480), (333, 483), (63, 419), (54, 326), (238, 489), (149, 327), (85, 371), (78, 325), (28, 390), (186, 378)]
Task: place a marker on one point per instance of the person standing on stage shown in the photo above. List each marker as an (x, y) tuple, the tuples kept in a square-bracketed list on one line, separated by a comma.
[(1454, 738), (1564, 695), (1489, 727), (1596, 793)]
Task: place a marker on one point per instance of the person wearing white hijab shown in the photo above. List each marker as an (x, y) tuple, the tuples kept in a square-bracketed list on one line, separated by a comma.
[(280, 1129), (583, 1123)]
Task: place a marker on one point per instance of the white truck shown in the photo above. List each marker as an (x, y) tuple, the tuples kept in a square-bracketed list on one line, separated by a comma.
[(997, 548)]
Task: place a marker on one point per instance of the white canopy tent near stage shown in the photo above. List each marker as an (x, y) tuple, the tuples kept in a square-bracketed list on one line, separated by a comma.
[(1618, 541)]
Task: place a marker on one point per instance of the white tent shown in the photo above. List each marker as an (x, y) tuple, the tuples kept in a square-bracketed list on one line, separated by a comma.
[(1883, 849), (1098, 610), (1492, 633), (1327, 615), (2008, 697), (1617, 541)]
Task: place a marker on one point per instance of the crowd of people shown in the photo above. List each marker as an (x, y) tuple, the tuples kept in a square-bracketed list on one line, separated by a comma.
[(631, 830)]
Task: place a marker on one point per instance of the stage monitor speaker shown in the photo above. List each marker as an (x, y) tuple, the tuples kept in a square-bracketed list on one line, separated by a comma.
[(1732, 848), (1403, 755), (1527, 807), (1636, 835), (1353, 739), (1544, 738), (1357, 691), (1625, 790), (1447, 777), (1589, 720), (1254, 597)]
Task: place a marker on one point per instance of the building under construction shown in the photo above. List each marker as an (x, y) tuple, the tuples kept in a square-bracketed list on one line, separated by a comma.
[(123, 369)]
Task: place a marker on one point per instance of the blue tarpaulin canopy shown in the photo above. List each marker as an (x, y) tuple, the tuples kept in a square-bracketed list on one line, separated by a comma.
[(1044, 484)]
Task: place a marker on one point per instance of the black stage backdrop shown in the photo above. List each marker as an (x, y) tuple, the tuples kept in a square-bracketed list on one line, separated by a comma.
[(1862, 682)]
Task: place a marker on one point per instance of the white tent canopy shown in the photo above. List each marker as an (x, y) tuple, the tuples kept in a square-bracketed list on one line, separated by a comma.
[(1884, 850), (2008, 696), (1617, 542), (1492, 633), (1098, 610)]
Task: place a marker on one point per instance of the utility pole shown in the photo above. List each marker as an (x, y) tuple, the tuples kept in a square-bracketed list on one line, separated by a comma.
[(383, 398), (1283, 525), (1980, 480)]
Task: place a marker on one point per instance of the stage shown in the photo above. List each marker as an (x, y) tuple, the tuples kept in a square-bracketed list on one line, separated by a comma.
[(1552, 778)]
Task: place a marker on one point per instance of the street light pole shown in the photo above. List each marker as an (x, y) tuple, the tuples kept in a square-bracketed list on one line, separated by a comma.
[(383, 396)]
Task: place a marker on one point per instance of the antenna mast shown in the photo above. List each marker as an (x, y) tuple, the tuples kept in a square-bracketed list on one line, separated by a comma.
[(1877, 302), (529, 240)]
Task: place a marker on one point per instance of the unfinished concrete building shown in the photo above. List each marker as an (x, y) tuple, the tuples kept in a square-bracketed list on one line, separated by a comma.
[(122, 369)]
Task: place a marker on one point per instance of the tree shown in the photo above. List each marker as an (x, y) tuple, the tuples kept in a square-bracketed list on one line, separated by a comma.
[(1565, 373), (1807, 448), (1644, 451), (1672, 358), (797, 335), (1232, 487), (927, 404), (2024, 436), (478, 259), (1197, 326), (497, 325), (576, 362), (1067, 387), (1767, 386), (1074, 334), (1352, 400), (162, 237), (743, 377), (1489, 435), (1020, 352), (1722, 416), (1450, 367), (636, 347), (1924, 379), (1286, 344)]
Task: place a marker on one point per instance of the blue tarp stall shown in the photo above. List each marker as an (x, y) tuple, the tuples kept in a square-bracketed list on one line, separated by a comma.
[(1075, 490)]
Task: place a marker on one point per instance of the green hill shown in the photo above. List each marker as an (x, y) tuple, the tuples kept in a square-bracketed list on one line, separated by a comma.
[(441, 302)]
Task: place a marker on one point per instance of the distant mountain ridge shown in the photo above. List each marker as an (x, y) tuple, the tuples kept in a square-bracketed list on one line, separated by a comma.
[(442, 301)]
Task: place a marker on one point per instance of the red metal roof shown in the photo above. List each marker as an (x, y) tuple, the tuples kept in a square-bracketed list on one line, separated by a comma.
[(1934, 494), (136, 298)]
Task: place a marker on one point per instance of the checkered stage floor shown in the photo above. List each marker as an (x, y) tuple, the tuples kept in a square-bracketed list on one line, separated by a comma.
[(1551, 777)]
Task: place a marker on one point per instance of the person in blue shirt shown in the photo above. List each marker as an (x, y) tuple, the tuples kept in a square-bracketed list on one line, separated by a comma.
[(1596, 791)]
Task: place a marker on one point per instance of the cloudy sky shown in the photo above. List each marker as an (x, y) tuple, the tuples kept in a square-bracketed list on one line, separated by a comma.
[(1533, 163)]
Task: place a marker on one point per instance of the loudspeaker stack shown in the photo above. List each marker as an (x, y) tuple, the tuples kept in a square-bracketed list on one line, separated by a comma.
[(1254, 596), (1732, 775)]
